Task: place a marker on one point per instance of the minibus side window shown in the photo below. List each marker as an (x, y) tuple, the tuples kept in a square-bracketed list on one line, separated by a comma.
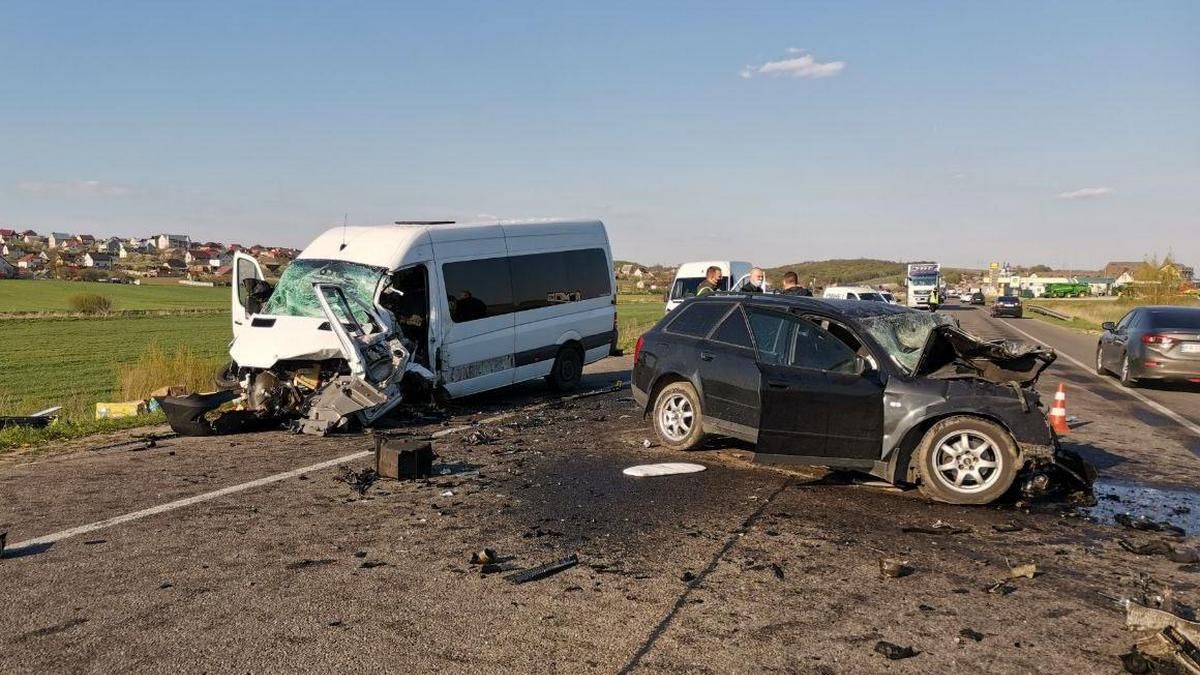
[(477, 289), (546, 279)]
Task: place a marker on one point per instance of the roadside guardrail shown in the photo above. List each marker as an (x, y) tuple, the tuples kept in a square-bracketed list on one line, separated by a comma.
[(1050, 312)]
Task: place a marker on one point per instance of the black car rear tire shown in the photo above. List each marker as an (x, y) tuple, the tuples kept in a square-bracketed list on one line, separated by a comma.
[(567, 370), (1100, 369), (678, 420), (966, 460)]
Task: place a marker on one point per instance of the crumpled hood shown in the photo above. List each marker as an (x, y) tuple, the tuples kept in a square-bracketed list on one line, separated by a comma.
[(951, 352)]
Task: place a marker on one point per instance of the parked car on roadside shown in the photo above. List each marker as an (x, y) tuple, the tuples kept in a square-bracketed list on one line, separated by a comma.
[(1152, 343), (853, 293), (1007, 305), (904, 395)]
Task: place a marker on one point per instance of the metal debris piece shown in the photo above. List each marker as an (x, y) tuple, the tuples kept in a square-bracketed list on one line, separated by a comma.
[(371, 564), (1001, 588), (37, 420), (497, 567), (1028, 571), (479, 437), (894, 568), (971, 634), (359, 481), (1144, 524), (1007, 527), (1186, 653), (893, 651), (483, 557), (1140, 617), (543, 571)]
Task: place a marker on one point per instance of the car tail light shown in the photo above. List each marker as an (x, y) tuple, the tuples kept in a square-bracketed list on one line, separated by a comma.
[(1162, 340), (637, 348)]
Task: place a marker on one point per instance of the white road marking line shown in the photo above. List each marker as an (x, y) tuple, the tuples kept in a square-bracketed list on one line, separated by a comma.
[(1174, 416), (232, 489)]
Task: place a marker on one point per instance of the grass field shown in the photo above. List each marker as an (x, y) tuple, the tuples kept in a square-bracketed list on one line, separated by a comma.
[(37, 295), (75, 362), (635, 315), (1089, 313)]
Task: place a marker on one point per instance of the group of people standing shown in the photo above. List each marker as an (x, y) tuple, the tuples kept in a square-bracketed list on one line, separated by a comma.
[(755, 283)]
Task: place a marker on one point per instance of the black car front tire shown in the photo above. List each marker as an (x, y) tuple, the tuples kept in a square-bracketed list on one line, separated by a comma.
[(678, 420), (1100, 369), (966, 460)]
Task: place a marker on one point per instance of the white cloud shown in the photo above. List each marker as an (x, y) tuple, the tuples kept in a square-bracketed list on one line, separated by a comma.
[(76, 188), (804, 65), (1085, 193)]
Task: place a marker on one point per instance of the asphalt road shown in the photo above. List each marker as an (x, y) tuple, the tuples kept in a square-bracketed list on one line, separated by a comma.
[(243, 554)]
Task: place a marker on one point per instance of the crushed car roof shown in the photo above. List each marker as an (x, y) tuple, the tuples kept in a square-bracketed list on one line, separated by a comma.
[(850, 308)]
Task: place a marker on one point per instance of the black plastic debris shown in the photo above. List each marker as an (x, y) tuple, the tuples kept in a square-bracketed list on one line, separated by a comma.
[(1179, 554), (37, 420), (1136, 662), (359, 481), (402, 457), (543, 571), (483, 557), (1144, 524), (371, 564), (1007, 527), (778, 570), (3, 542), (1001, 588), (894, 651), (1193, 567), (479, 437), (493, 568), (687, 577), (308, 562), (971, 634)]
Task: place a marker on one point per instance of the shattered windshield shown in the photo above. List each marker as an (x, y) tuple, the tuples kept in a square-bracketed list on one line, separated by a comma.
[(294, 294), (903, 334)]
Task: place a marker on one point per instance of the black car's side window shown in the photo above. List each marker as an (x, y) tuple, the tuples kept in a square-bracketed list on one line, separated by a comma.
[(697, 318), (1123, 324), (815, 348), (772, 336), (733, 331)]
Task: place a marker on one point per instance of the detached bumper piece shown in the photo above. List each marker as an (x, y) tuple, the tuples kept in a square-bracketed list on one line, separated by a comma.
[(198, 415)]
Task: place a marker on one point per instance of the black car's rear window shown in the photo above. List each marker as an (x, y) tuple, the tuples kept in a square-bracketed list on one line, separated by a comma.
[(697, 318), (1183, 317), (1009, 298)]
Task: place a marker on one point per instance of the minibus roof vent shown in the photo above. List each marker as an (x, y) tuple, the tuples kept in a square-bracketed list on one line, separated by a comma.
[(424, 222)]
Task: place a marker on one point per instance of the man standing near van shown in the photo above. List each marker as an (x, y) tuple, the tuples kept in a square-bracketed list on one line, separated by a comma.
[(754, 284), (711, 283), (791, 285)]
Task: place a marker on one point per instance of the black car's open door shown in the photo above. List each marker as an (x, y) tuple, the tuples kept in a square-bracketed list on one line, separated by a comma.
[(819, 403)]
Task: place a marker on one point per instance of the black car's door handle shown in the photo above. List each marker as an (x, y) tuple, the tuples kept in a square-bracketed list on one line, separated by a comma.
[(706, 356), (778, 385)]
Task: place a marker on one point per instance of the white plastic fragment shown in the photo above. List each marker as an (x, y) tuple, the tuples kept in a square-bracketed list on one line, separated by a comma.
[(663, 469)]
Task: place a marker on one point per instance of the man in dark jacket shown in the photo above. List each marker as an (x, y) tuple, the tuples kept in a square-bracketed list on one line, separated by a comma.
[(791, 285), (711, 283)]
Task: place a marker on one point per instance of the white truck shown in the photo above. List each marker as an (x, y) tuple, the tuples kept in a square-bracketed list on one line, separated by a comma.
[(922, 279), (690, 274)]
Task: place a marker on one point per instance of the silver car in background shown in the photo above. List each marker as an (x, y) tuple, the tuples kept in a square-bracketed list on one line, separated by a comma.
[(1152, 343)]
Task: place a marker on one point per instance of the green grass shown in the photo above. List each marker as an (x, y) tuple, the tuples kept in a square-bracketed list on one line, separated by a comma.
[(1089, 313), (37, 295), (635, 315), (75, 362)]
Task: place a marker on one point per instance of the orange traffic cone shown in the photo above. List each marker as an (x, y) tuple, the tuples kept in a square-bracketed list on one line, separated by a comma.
[(1058, 412)]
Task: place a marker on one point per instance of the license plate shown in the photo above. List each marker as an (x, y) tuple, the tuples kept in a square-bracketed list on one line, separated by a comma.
[(1190, 348)]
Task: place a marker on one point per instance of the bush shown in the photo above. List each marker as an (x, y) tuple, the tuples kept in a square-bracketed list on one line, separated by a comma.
[(157, 367), (90, 303)]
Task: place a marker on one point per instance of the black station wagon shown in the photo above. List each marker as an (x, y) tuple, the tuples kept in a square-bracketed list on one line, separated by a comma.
[(904, 395)]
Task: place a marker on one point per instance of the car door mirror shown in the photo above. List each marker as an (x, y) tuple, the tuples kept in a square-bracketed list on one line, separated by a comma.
[(1109, 326)]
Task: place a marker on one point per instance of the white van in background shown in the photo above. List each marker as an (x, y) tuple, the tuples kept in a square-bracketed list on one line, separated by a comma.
[(853, 293), (689, 275), (469, 307)]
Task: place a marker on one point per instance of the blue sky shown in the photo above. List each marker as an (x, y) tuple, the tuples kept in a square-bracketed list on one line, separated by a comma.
[(1064, 133)]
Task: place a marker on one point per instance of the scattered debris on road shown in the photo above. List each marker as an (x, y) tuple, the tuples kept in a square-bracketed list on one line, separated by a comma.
[(893, 651), (543, 571), (1144, 524), (399, 456), (894, 568), (3, 542), (1001, 588), (37, 420), (1007, 527), (971, 634), (1179, 554), (479, 437), (308, 562), (483, 557), (1028, 571), (939, 527), (663, 469), (359, 481)]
